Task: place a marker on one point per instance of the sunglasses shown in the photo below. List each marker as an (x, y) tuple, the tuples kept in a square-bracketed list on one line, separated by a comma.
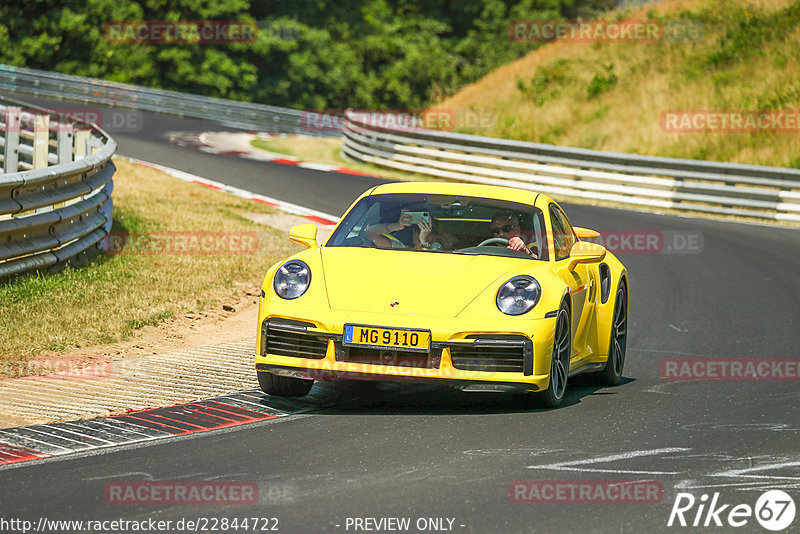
[(504, 229)]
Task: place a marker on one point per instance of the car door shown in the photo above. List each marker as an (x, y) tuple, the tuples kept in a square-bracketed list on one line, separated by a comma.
[(579, 280)]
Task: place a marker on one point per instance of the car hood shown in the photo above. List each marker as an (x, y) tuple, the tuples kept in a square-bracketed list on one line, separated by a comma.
[(420, 283)]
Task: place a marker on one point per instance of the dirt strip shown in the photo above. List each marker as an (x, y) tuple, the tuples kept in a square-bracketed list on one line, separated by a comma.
[(132, 383), (190, 357)]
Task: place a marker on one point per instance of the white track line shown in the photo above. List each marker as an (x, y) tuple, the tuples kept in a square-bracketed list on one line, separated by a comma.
[(313, 215)]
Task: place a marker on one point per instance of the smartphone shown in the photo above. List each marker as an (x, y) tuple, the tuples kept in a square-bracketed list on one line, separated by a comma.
[(417, 216)]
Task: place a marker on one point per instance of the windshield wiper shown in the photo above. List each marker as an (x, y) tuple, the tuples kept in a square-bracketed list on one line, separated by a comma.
[(491, 251)]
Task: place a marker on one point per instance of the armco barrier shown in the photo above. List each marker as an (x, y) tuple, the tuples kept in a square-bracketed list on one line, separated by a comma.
[(55, 187), (680, 184), (232, 113)]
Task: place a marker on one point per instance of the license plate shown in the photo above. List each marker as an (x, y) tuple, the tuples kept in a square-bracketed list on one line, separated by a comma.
[(376, 337)]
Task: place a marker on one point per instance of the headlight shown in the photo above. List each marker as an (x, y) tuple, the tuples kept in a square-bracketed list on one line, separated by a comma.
[(292, 279), (518, 295)]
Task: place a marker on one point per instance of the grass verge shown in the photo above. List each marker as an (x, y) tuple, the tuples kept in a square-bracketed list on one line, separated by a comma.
[(117, 294)]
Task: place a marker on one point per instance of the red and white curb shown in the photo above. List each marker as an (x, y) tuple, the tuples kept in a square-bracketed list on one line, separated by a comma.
[(314, 216), (39, 442), (57, 439), (205, 142)]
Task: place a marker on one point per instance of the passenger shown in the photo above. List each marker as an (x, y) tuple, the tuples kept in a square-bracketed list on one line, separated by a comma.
[(433, 236), (425, 237)]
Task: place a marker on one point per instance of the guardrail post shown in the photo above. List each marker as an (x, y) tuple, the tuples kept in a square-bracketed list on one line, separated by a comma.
[(64, 137), (11, 152), (41, 148), (41, 140), (64, 148), (93, 145), (81, 143)]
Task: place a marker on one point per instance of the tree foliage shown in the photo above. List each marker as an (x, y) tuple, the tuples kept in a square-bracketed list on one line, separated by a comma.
[(313, 54)]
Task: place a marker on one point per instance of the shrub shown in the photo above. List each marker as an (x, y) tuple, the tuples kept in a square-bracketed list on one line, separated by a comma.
[(602, 82)]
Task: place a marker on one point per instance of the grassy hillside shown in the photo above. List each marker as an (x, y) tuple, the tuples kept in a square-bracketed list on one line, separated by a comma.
[(611, 96)]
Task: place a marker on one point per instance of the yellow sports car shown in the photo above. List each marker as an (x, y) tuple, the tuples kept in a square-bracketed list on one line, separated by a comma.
[(481, 287)]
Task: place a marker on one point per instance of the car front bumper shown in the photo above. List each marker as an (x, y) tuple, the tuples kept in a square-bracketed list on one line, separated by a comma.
[(508, 354)]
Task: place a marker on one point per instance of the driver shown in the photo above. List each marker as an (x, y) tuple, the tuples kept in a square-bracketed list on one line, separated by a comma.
[(505, 224)]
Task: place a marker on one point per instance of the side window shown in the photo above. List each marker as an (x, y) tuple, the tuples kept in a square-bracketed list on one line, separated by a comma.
[(558, 234), (563, 234), (569, 232), (539, 235)]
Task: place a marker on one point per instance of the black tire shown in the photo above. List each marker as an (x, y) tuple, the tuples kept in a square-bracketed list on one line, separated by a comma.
[(611, 374), (559, 366), (283, 386)]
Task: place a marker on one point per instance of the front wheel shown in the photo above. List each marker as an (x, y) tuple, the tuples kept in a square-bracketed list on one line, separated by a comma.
[(559, 366), (283, 386)]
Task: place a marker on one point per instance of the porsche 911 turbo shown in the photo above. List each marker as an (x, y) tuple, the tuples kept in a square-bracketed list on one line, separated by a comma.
[(483, 288)]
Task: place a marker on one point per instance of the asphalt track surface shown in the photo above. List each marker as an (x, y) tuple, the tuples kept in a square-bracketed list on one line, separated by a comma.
[(425, 451)]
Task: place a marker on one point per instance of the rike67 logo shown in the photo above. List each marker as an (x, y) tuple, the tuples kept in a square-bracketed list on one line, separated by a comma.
[(774, 510)]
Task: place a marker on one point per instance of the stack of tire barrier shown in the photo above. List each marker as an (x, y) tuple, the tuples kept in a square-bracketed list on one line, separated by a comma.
[(55, 188)]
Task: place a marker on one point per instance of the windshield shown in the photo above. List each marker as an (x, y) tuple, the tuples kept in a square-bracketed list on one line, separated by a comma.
[(443, 224)]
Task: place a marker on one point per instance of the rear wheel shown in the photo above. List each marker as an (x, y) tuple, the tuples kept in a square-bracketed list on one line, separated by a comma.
[(283, 386), (612, 372)]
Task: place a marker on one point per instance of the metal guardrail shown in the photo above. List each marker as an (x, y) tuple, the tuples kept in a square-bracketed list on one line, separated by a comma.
[(55, 187), (259, 117), (680, 184)]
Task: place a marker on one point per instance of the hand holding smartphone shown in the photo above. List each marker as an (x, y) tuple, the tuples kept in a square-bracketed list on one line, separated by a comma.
[(417, 216)]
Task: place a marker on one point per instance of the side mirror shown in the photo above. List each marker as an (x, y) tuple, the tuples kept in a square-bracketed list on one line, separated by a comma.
[(304, 234), (585, 233), (585, 252)]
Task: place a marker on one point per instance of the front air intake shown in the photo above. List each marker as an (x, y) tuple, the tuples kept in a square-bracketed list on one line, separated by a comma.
[(494, 354), (282, 337)]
